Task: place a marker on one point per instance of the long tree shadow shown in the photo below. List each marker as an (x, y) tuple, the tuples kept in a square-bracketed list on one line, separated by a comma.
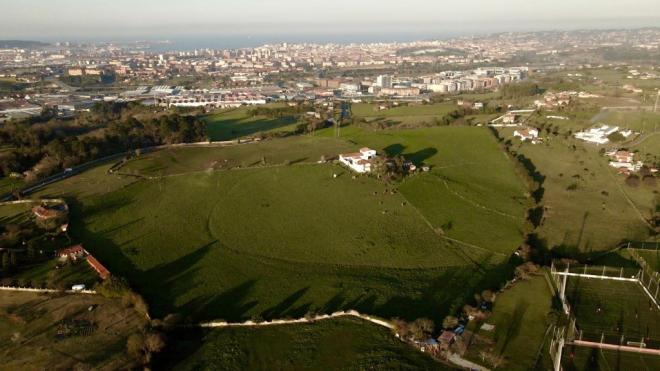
[(420, 156), (515, 324), (280, 310), (394, 149), (231, 305)]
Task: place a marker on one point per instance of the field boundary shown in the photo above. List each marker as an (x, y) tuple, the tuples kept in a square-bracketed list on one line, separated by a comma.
[(50, 291), (45, 200), (312, 319)]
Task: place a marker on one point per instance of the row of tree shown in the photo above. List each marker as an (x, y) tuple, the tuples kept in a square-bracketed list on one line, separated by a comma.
[(39, 149)]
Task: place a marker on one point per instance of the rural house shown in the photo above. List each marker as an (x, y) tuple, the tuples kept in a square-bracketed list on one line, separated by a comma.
[(73, 252), (78, 251), (359, 161), (530, 134)]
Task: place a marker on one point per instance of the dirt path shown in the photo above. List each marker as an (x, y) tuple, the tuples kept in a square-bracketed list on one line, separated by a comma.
[(320, 317)]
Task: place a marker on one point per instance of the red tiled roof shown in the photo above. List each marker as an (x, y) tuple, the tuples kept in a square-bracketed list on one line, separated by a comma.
[(98, 267)]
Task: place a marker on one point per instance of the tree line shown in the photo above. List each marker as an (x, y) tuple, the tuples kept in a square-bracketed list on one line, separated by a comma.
[(43, 145)]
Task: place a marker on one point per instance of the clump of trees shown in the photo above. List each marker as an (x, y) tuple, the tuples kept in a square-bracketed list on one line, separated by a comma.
[(115, 287), (389, 169), (45, 145), (633, 180), (520, 90), (143, 345), (418, 330)]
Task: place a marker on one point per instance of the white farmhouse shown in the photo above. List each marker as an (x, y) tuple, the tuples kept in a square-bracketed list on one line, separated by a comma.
[(359, 161), (530, 134)]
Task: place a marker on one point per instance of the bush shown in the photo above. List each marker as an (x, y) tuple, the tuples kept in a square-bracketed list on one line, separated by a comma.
[(113, 287), (632, 180), (616, 137), (422, 328)]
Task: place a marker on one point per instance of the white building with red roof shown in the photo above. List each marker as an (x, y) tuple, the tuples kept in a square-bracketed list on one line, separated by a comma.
[(530, 134)]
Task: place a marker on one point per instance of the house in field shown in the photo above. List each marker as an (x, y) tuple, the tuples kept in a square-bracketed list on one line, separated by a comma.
[(45, 211), (78, 252), (624, 161), (530, 134), (73, 253), (359, 162), (510, 119)]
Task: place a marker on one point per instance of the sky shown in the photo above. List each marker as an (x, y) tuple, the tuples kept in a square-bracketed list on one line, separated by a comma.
[(52, 20)]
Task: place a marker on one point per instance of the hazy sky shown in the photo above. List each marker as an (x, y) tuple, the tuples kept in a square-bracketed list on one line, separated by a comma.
[(126, 19)]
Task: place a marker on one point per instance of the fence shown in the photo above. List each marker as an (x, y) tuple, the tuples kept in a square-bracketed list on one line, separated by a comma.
[(573, 334)]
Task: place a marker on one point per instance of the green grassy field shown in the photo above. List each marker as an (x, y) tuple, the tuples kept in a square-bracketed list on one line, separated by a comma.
[(642, 122), (625, 310), (281, 240), (236, 123), (652, 257), (16, 213), (471, 184), (590, 359), (587, 205), (326, 345), (372, 110), (7, 185), (413, 114), (520, 319), (295, 150)]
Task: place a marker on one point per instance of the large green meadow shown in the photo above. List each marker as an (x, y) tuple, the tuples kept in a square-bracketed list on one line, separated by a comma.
[(239, 122), (412, 114), (588, 207), (277, 234)]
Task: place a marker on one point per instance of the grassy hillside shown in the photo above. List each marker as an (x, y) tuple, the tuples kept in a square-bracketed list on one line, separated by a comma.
[(279, 240), (587, 204), (472, 186), (238, 122), (520, 319), (326, 345), (274, 152), (413, 114)]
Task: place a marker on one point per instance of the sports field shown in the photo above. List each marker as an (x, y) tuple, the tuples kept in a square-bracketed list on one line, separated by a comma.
[(279, 240), (613, 308), (326, 345), (591, 359)]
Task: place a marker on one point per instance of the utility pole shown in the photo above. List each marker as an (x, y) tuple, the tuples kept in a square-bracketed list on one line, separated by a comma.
[(655, 108)]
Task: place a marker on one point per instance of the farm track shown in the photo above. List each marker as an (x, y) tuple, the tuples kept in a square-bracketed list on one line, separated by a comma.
[(630, 201), (476, 204)]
